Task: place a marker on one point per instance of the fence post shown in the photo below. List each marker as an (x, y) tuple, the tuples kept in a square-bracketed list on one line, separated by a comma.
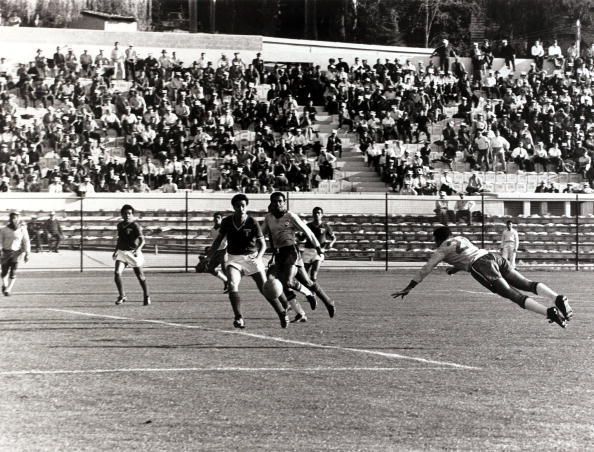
[(482, 220), (187, 248), (577, 233), (387, 230), (81, 235)]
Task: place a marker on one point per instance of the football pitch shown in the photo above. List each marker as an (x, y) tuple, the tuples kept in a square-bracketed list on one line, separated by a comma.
[(450, 367)]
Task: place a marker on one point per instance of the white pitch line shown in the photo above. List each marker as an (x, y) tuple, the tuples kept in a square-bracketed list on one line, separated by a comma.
[(213, 369), (477, 293), (276, 339)]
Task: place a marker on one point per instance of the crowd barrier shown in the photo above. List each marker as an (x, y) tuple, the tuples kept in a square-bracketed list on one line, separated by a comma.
[(387, 229)]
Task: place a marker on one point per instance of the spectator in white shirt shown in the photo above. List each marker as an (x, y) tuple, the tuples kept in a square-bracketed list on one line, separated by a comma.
[(509, 243), (537, 52)]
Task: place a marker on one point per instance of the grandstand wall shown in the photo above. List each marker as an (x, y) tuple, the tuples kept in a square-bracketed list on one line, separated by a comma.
[(20, 44), (526, 204)]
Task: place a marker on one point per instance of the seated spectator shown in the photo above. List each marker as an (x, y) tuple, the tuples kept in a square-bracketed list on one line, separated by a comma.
[(475, 185)]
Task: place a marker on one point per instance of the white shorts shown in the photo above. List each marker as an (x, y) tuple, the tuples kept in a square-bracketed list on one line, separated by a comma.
[(310, 255), (128, 258), (247, 264)]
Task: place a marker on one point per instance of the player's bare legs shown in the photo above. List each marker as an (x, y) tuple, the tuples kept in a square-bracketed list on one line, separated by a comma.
[(260, 279), (234, 279), (139, 272), (117, 277), (519, 281), (286, 275), (298, 278), (8, 278)]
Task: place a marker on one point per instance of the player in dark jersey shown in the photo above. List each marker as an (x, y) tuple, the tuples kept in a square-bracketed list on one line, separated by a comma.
[(128, 252), (245, 248), (323, 232)]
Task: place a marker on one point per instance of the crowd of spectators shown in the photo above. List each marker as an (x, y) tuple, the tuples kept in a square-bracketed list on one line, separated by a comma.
[(174, 122)]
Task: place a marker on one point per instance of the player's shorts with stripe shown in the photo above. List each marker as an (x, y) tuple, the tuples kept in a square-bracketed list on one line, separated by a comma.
[(489, 268), (247, 264), (287, 256), (310, 255), (217, 259), (128, 258)]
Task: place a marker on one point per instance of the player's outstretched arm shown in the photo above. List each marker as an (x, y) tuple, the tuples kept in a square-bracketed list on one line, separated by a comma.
[(404, 292)]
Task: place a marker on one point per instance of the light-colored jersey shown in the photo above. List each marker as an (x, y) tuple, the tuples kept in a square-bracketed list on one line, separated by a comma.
[(213, 234), (15, 240), (457, 251), (282, 230), (510, 238)]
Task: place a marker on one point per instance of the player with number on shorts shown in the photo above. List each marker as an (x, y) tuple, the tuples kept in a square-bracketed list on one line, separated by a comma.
[(492, 271), (128, 252)]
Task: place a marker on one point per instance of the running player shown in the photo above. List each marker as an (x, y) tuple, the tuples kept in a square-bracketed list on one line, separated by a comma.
[(245, 248), (494, 272), (218, 257), (15, 242), (282, 226), (323, 232), (128, 252)]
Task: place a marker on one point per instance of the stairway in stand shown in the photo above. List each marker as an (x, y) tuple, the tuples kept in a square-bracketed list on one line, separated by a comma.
[(352, 173)]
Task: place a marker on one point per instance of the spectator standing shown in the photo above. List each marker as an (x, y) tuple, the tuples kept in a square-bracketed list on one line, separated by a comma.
[(508, 53), (117, 60), (441, 208), (53, 232), (509, 243), (444, 52)]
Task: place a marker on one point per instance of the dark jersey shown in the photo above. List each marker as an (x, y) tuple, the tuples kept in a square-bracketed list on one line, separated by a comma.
[(323, 233), (128, 235), (241, 239)]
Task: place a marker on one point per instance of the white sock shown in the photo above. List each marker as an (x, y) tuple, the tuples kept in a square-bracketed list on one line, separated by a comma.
[(296, 306), (10, 284), (535, 306), (545, 291), (305, 291)]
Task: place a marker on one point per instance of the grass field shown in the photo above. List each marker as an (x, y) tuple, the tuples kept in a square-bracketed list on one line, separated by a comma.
[(451, 367)]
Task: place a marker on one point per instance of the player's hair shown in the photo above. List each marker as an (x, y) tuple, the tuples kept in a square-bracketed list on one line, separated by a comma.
[(13, 214), (238, 198), (509, 222), (317, 209), (442, 233), (277, 194), (127, 207), (217, 214)]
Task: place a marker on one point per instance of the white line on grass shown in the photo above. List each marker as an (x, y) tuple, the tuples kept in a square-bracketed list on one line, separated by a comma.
[(276, 339), (212, 369)]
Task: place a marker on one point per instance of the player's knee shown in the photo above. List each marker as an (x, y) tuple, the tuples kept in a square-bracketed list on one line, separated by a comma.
[(233, 286)]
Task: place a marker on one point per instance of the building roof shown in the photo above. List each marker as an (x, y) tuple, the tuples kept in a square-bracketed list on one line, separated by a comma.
[(107, 16)]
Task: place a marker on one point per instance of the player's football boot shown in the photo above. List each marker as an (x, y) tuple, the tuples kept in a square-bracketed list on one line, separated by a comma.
[(554, 316), (239, 323), (562, 305), (299, 318), (4, 291), (331, 309), (284, 320), (121, 300), (313, 303), (147, 301)]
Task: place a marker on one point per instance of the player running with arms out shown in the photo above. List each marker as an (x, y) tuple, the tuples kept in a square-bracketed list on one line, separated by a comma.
[(245, 248), (282, 226), (493, 272), (218, 257), (15, 242), (323, 232), (128, 252)]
